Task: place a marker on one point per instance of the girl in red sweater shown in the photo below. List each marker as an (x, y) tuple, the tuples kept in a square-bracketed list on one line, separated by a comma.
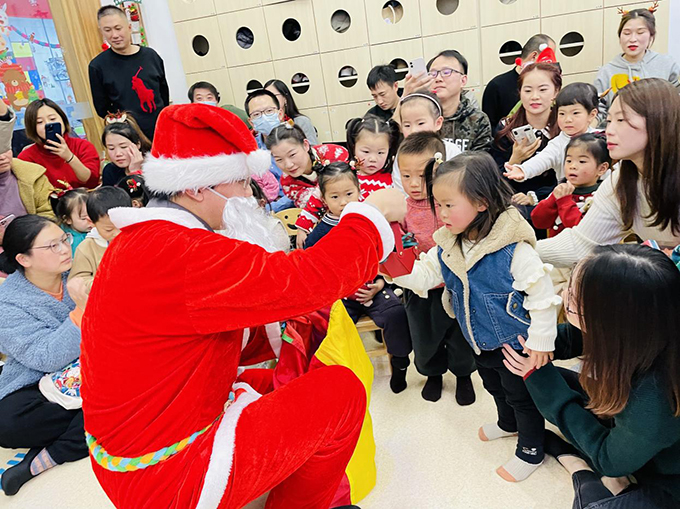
[(373, 144), (71, 159), (587, 159), (299, 162)]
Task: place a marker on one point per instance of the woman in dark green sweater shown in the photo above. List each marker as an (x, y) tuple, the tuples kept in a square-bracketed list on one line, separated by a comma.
[(622, 415)]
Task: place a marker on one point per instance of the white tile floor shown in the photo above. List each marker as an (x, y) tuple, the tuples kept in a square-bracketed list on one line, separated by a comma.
[(428, 457)]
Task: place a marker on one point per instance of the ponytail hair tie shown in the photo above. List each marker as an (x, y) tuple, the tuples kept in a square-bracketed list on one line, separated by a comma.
[(438, 158)]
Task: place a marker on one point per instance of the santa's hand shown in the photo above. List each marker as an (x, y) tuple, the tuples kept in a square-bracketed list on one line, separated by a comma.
[(390, 202)]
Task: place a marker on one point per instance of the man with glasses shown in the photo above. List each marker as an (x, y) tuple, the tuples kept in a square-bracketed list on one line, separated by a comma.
[(264, 114), (464, 123)]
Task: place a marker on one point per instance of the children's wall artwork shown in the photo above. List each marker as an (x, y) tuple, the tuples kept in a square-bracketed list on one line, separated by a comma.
[(31, 60)]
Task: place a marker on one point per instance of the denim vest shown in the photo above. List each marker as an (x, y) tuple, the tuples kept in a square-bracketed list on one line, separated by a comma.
[(495, 313)]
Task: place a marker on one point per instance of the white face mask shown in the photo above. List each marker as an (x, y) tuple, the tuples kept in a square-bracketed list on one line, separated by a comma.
[(210, 103)]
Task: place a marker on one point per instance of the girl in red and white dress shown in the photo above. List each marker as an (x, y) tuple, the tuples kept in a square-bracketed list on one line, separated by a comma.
[(373, 145)]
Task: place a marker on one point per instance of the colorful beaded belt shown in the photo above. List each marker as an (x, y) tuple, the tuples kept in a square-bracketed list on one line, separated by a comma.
[(121, 464)]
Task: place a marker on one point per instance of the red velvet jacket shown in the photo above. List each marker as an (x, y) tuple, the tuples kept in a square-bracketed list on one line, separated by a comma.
[(163, 331)]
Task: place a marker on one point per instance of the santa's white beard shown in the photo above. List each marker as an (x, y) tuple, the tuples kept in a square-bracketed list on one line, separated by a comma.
[(244, 219)]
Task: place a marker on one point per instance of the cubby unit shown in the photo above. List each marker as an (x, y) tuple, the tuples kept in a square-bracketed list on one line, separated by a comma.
[(557, 8), (322, 122), (502, 45), (248, 78), (398, 54), (304, 78), (200, 45), (444, 16), (222, 6), (291, 28), (340, 25), (342, 113), (183, 10), (392, 20), (244, 37), (579, 40), (497, 12), (345, 74)]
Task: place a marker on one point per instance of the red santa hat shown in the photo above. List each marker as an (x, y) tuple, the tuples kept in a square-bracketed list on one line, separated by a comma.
[(197, 146), (546, 56)]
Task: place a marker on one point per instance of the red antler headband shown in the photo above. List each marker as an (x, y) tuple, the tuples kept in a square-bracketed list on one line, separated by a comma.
[(58, 193), (112, 118)]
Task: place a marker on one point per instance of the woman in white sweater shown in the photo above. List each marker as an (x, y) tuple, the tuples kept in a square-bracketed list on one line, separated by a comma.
[(643, 196)]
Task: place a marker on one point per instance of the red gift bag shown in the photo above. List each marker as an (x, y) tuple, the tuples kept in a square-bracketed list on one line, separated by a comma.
[(400, 261)]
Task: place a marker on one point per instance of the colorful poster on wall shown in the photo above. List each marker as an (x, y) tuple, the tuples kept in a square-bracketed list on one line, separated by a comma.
[(31, 61)]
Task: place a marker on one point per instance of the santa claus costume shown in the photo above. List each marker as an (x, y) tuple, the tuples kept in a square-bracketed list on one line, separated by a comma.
[(167, 421)]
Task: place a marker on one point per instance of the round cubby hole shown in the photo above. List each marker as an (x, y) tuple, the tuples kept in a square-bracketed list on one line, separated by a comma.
[(400, 68), (507, 2), (348, 76), (509, 52), (253, 86), (291, 29), (245, 37), (447, 7), (200, 45), (572, 44), (300, 83), (341, 21), (392, 12)]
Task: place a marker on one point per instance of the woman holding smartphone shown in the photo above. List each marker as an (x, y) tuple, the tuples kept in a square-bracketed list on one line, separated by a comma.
[(69, 160), (538, 84)]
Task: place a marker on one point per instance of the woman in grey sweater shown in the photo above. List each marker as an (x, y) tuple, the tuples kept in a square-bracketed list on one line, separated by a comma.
[(285, 98), (39, 334)]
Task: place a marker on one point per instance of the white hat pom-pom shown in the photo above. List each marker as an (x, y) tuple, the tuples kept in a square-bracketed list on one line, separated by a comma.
[(259, 162)]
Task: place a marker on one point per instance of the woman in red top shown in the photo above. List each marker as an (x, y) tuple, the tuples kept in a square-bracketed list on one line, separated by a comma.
[(72, 160)]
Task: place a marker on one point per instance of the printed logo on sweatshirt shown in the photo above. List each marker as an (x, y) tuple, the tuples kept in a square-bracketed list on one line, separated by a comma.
[(147, 100)]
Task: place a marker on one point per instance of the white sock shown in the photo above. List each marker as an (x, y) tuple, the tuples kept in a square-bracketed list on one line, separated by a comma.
[(519, 469), (492, 431)]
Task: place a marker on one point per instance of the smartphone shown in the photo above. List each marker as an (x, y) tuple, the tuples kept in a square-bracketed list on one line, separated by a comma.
[(51, 131), (6, 220), (524, 132), (417, 67)]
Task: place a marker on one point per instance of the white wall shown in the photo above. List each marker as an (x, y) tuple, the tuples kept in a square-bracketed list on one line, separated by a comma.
[(160, 34), (674, 28)]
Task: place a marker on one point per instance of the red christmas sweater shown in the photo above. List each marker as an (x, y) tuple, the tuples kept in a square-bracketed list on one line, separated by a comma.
[(56, 167), (557, 214), (370, 183), (304, 191)]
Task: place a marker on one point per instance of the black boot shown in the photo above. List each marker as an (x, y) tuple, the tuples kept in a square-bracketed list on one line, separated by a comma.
[(398, 379), (465, 392), (433, 388), (15, 477)]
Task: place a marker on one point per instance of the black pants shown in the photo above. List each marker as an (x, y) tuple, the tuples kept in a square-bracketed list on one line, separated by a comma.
[(516, 410), (28, 420), (590, 493), (389, 314), (438, 342)]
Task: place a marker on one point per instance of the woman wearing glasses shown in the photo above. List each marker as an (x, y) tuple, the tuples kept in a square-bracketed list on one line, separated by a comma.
[(39, 334)]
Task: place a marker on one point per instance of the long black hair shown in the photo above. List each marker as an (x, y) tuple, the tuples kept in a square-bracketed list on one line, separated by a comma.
[(476, 176), (18, 239), (291, 110), (375, 125)]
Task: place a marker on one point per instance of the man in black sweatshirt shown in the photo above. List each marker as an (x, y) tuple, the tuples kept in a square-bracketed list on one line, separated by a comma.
[(127, 76)]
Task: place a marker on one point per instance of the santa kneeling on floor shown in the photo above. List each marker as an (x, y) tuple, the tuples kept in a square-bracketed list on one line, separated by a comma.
[(167, 420)]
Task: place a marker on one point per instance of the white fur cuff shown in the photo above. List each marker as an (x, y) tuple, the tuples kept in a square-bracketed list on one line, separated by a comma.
[(373, 214)]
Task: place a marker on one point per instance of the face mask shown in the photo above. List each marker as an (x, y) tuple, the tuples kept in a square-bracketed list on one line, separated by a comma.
[(266, 123), (211, 103)]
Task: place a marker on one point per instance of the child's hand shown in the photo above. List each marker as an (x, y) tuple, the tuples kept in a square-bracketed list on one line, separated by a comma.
[(364, 295), (520, 365), (513, 172), (538, 359), (522, 199), (300, 238), (562, 190), (522, 150)]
